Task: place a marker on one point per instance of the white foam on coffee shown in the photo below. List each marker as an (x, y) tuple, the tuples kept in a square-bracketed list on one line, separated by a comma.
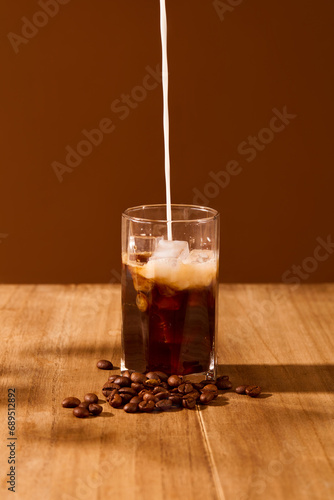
[(196, 270), (163, 33)]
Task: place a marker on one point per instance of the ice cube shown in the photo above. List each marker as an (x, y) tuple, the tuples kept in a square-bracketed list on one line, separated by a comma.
[(199, 256), (168, 249)]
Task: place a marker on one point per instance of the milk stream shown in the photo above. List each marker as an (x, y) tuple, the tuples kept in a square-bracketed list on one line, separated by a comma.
[(163, 32)]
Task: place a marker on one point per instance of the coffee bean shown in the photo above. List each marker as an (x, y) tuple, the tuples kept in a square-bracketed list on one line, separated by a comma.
[(153, 375), (70, 402), (112, 394), (91, 398), (206, 397), (112, 378), (161, 395), (210, 388), (116, 401), (138, 378), (144, 391), (81, 412), (176, 399), (137, 387), (146, 406), (158, 389), (131, 407), (84, 404), (223, 383), (104, 364), (109, 387), (123, 381), (185, 388), (126, 373), (125, 397), (198, 386), (253, 391), (127, 390), (162, 376), (152, 382), (136, 399), (241, 389), (188, 403), (193, 394), (148, 396), (95, 409), (163, 404), (174, 381)]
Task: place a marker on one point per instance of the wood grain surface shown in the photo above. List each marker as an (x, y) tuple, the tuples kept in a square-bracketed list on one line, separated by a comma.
[(279, 446)]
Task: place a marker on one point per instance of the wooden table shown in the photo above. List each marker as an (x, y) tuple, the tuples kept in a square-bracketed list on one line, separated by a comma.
[(279, 446)]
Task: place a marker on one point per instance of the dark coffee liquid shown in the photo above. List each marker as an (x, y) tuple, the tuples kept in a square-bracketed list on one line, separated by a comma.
[(165, 328)]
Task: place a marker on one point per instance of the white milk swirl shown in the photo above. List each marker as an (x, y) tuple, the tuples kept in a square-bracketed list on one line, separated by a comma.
[(163, 32)]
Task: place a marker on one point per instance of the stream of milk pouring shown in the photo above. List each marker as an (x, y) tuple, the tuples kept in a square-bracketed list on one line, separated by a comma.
[(163, 32)]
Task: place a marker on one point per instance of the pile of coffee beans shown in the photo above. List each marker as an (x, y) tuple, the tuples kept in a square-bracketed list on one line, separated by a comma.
[(89, 406), (145, 392)]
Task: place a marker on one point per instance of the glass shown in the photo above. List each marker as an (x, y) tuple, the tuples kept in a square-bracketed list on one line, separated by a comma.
[(170, 290)]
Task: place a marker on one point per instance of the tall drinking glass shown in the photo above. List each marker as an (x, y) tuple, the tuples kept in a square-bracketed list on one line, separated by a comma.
[(170, 290)]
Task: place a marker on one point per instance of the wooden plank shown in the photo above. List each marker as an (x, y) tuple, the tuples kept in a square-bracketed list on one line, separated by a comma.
[(278, 447)]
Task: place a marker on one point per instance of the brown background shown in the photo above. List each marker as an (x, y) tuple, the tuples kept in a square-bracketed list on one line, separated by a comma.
[(226, 76)]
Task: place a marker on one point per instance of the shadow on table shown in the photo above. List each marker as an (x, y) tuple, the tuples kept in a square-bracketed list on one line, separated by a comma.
[(282, 378)]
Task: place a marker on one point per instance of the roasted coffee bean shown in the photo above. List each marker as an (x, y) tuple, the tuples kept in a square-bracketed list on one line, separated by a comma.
[(70, 402), (136, 399), (185, 388), (122, 381), (188, 403), (80, 412), (116, 401), (162, 376), (148, 396), (241, 389), (161, 395), (138, 378), (91, 398), (137, 387), (198, 386), (109, 387), (211, 388), (126, 373), (104, 364), (144, 391), (174, 391), (207, 382), (84, 404), (163, 404), (223, 383), (158, 389), (176, 399), (146, 406), (112, 378), (112, 394), (206, 397), (95, 409), (153, 375), (152, 382), (174, 381), (126, 397), (193, 394), (253, 391), (127, 390), (131, 407), (164, 384)]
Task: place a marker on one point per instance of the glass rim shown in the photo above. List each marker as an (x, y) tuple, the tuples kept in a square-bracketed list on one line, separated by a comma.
[(214, 213)]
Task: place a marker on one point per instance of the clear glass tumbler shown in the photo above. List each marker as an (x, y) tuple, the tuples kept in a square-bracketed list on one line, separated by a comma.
[(170, 289)]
